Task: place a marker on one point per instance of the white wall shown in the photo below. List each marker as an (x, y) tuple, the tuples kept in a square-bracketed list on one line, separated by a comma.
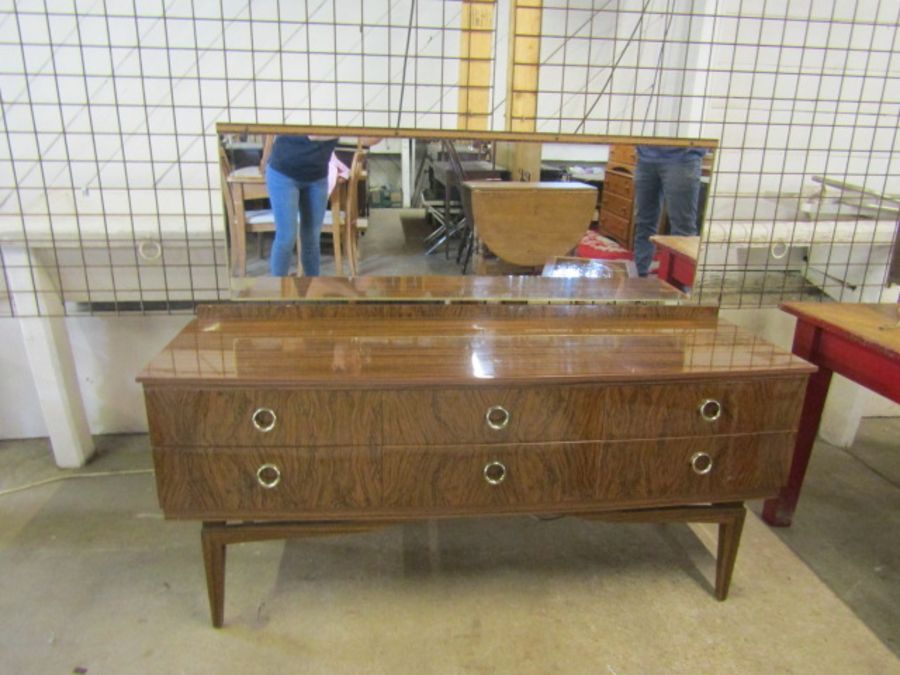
[(108, 352)]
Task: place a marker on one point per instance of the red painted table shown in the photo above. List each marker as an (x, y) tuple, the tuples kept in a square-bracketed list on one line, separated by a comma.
[(677, 259), (860, 342)]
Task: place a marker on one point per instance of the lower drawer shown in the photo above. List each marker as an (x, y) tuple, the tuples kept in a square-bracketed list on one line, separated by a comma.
[(616, 228), (570, 475), (225, 483)]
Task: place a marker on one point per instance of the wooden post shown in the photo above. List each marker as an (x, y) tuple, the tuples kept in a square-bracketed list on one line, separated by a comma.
[(475, 64), (523, 159)]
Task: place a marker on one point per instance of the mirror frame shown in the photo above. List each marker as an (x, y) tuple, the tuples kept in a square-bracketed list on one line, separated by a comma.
[(238, 286), (460, 134)]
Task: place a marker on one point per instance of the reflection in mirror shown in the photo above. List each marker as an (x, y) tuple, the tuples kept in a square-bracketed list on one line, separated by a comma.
[(417, 203)]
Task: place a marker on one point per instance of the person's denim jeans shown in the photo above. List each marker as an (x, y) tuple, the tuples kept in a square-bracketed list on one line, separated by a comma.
[(290, 198), (679, 184)]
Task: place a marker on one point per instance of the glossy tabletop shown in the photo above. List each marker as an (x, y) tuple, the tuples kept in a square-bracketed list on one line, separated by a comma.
[(409, 345)]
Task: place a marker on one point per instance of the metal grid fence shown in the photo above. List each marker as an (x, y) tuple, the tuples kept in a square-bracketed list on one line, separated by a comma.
[(109, 188)]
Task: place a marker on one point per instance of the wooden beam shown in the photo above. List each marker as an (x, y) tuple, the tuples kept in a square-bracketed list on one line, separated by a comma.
[(475, 61), (524, 62)]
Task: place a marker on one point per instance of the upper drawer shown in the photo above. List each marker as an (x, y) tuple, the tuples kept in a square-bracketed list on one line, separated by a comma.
[(618, 184), (578, 412), (262, 417)]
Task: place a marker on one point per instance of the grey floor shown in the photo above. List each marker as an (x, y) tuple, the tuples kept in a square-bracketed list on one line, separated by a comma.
[(93, 580)]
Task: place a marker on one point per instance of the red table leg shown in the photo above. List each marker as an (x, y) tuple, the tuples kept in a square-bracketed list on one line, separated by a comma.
[(779, 511), (664, 271)]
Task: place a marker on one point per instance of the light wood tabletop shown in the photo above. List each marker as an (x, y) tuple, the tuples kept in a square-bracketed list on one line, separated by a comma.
[(686, 246), (876, 325)]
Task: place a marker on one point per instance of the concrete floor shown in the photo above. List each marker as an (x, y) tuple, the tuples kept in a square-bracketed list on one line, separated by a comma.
[(92, 579)]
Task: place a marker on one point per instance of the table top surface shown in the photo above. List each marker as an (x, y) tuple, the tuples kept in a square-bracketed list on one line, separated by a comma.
[(247, 174), (686, 246), (875, 325), (475, 168), (517, 186), (343, 345)]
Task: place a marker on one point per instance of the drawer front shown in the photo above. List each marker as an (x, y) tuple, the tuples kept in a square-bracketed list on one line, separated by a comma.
[(618, 184), (617, 206), (589, 413), (266, 482), (623, 154), (197, 417), (616, 228), (568, 476)]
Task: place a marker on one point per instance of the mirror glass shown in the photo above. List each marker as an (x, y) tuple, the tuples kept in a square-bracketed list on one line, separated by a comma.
[(414, 203)]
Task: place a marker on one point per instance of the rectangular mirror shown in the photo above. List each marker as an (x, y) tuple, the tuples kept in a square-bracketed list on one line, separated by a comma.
[(411, 202)]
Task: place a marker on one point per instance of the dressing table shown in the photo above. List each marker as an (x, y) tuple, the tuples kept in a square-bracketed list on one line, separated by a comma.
[(344, 405)]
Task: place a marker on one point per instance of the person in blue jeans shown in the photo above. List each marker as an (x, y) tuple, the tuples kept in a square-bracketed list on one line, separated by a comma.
[(296, 170), (670, 173)]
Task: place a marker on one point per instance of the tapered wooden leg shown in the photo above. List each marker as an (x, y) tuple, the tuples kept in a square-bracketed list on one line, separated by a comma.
[(729, 516), (729, 540), (214, 562)]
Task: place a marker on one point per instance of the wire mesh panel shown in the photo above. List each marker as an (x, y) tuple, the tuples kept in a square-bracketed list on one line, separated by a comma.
[(805, 195), (806, 199), (109, 180)]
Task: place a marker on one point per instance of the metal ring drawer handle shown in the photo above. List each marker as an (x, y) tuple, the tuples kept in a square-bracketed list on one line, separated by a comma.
[(494, 472), (701, 463), (264, 419), (497, 417), (710, 409), (268, 475)]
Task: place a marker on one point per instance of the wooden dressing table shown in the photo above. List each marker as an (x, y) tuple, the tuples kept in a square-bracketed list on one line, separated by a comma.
[(278, 419)]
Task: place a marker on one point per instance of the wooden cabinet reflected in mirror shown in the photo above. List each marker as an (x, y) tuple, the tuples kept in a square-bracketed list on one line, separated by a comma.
[(419, 202)]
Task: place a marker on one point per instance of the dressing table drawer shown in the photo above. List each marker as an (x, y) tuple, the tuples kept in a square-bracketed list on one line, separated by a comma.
[(590, 413), (262, 417), (564, 476), (252, 483)]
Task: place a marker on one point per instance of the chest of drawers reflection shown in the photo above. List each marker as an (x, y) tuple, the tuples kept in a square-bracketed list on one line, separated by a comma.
[(278, 420)]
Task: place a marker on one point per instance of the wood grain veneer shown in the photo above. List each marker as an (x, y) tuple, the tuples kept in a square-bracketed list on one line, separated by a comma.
[(566, 476), (212, 417), (562, 313), (577, 413), (381, 417), (222, 482)]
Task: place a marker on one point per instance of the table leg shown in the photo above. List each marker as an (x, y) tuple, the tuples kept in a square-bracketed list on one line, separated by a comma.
[(730, 531), (214, 562), (665, 266), (238, 233), (779, 511)]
